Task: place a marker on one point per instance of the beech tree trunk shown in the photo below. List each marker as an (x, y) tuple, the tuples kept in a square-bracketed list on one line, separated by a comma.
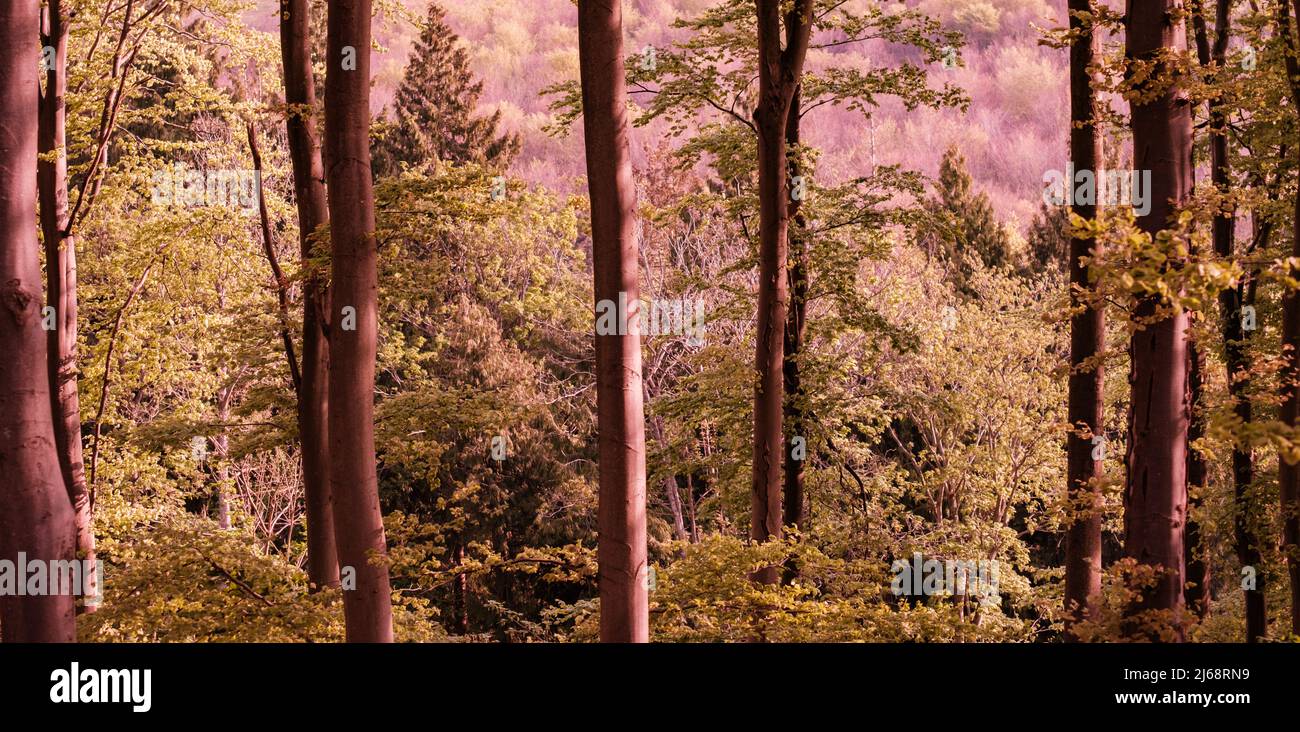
[(36, 517), (621, 549), (61, 278), (354, 483), (779, 71), (1155, 494), (1087, 342), (313, 211)]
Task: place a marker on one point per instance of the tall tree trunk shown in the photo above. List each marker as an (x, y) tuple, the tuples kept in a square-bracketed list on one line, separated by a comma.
[(1230, 308), (354, 483), (1235, 356), (621, 549), (779, 71), (795, 328), (313, 211), (36, 517), (1155, 494), (1087, 342), (1288, 473), (61, 275)]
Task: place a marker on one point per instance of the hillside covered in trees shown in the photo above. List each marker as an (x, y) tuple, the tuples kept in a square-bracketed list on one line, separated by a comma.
[(652, 320)]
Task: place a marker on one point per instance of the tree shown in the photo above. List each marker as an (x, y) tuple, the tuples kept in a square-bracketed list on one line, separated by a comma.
[(621, 547), (1155, 491), (61, 274), (779, 72), (1213, 58), (313, 213), (962, 222), (1087, 341), (434, 112), (354, 483), (796, 329), (1236, 359), (37, 518)]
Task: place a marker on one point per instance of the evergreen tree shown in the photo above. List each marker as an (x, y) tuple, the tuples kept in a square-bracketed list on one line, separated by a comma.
[(961, 222), (433, 115)]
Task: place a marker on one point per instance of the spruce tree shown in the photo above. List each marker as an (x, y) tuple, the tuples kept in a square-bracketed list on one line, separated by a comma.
[(433, 114), (963, 222)]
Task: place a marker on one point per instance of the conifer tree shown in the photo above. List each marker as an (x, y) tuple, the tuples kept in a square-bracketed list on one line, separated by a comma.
[(962, 221), (433, 114)]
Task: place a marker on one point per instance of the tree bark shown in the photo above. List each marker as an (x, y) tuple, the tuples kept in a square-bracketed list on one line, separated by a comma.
[(313, 211), (354, 483), (779, 72), (621, 549), (61, 277), (37, 518), (1087, 343), (1155, 494)]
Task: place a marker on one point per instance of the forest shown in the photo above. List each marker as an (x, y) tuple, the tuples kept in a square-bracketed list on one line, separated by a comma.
[(674, 321)]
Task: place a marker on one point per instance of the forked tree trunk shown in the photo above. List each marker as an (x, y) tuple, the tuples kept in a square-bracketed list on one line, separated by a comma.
[(313, 211), (61, 278), (779, 72), (1087, 342), (621, 548), (36, 517), (354, 483), (1155, 494)]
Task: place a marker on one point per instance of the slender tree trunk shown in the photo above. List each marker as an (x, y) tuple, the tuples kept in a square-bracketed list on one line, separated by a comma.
[(1155, 495), (354, 483), (1087, 343), (1289, 474), (1233, 345), (61, 275), (795, 328), (313, 211), (778, 78), (36, 518), (1235, 355), (796, 423), (621, 550)]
